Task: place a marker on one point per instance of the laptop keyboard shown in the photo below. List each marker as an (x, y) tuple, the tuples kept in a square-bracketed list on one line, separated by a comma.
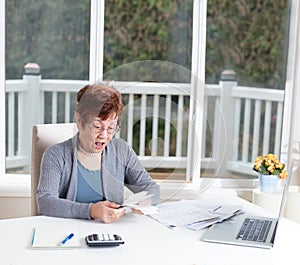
[(254, 230)]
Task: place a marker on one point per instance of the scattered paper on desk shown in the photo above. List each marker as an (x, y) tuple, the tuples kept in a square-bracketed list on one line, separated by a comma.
[(50, 238), (225, 212), (193, 214), (181, 213)]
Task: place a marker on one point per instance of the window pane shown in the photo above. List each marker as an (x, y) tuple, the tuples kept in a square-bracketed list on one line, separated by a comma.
[(250, 38), (158, 30), (152, 42), (54, 34)]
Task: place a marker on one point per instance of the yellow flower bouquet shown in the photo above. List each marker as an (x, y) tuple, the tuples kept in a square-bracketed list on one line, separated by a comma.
[(270, 165)]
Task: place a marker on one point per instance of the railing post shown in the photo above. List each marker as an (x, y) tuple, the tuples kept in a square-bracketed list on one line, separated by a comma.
[(29, 110), (225, 121)]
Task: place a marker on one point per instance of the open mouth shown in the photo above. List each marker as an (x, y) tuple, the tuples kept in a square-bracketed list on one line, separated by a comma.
[(100, 144)]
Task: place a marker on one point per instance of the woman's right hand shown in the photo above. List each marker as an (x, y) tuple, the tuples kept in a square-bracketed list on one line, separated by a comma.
[(106, 211)]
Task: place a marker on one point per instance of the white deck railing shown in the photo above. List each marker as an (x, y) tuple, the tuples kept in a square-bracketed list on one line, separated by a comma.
[(240, 122)]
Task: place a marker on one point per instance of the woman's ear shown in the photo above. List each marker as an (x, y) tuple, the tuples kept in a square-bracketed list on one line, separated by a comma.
[(78, 121)]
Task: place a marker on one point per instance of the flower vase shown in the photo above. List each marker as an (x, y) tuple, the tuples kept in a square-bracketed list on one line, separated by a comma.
[(268, 183)]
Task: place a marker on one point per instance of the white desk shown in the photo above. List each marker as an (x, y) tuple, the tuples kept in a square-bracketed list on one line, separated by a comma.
[(146, 242)]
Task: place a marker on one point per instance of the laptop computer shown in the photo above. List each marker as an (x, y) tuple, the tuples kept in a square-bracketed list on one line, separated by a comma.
[(240, 229)]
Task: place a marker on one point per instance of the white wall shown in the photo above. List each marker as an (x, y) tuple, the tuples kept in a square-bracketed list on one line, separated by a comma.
[(12, 207), (15, 197)]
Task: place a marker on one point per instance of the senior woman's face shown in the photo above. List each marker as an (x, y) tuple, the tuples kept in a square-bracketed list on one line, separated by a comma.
[(95, 136)]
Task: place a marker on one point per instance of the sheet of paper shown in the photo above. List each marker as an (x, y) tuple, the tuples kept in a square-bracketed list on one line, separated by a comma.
[(136, 198), (146, 209), (182, 213), (225, 211), (47, 238)]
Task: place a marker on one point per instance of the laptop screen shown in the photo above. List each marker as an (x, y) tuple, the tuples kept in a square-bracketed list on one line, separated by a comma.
[(285, 190)]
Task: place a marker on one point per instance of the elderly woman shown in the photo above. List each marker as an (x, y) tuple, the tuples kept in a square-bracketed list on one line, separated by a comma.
[(84, 177)]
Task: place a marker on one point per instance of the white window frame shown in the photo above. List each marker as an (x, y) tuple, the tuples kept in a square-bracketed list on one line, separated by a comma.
[(197, 93), (97, 40), (2, 88), (290, 126)]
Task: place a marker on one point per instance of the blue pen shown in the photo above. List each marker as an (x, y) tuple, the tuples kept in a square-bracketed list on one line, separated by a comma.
[(33, 234), (66, 239)]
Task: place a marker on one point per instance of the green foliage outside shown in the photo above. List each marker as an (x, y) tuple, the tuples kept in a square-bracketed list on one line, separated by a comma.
[(148, 30), (54, 34), (249, 37)]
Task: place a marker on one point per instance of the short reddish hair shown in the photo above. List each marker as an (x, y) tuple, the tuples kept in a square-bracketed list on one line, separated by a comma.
[(98, 100)]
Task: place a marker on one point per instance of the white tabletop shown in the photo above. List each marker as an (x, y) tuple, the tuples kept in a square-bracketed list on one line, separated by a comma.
[(146, 242)]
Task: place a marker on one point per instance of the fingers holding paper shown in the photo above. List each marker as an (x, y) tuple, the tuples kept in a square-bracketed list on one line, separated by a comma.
[(106, 211), (109, 212), (142, 204)]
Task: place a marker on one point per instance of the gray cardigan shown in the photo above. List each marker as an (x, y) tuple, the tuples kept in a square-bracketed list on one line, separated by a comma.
[(57, 188)]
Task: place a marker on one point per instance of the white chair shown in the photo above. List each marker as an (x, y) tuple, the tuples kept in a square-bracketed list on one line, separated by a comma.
[(44, 135)]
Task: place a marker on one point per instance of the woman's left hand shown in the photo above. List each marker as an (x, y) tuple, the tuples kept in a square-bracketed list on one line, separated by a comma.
[(143, 203)]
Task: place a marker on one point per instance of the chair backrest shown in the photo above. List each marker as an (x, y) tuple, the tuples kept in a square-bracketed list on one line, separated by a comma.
[(44, 135)]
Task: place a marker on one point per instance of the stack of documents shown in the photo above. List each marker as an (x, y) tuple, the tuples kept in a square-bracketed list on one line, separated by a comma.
[(193, 214)]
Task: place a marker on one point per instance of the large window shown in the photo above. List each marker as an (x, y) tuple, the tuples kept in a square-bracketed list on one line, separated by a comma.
[(247, 45), (155, 46), (55, 36)]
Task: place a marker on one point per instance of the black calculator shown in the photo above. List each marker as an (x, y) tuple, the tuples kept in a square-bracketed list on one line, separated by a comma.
[(103, 240)]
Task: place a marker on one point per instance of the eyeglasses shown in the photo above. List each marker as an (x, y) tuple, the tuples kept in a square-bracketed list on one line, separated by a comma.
[(99, 129)]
